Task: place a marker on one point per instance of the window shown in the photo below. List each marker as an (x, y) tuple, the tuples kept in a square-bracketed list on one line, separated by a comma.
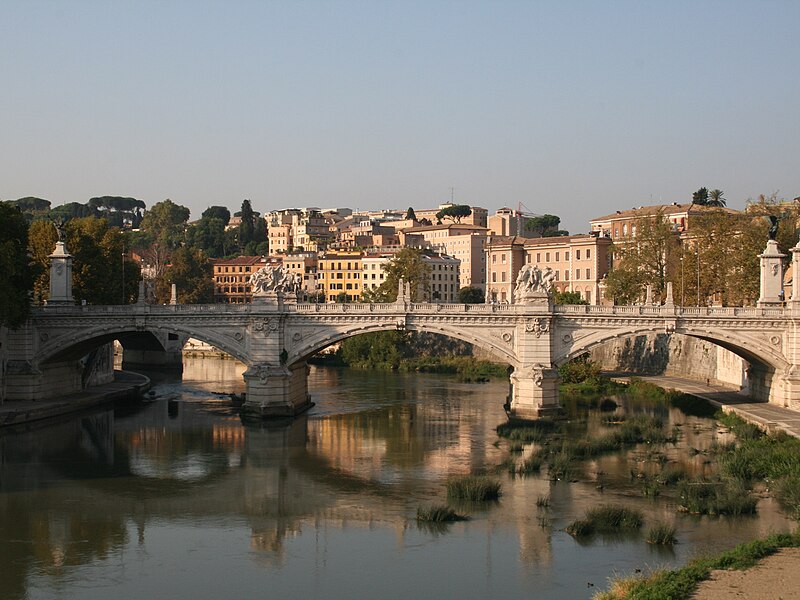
[(625, 229), (503, 276), (547, 257), (528, 259), (503, 259), (588, 273), (577, 273), (557, 258), (577, 254), (566, 275), (494, 258), (538, 257), (494, 277), (566, 255), (588, 296)]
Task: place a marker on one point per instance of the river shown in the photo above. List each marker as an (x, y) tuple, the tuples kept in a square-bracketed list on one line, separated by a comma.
[(177, 499)]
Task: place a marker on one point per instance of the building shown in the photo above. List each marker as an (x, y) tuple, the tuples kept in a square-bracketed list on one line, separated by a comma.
[(580, 262), (232, 277), (304, 229), (443, 281), (459, 240), (339, 276), (305, 264), (507, 222), (622, 223)]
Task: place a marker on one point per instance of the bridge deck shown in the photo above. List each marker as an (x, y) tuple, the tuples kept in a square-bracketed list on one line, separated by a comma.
[(769, 416)]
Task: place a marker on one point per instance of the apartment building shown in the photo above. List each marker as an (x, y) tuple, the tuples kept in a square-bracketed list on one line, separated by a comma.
[(297, 228), (338, 273), (580, 262), (459, 240), (306, 265), (232, 277), (443, 280), (477, 217)]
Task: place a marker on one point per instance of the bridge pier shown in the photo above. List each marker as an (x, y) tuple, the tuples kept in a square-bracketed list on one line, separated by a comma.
[(534, 392), (275, 391)]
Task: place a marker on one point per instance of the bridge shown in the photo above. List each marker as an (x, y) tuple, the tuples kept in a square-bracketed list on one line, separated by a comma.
[(275, 339), (276, 335)]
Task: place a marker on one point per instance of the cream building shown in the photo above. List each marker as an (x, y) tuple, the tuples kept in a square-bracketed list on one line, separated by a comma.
[(461, 241), (580, 262), (443, 281)]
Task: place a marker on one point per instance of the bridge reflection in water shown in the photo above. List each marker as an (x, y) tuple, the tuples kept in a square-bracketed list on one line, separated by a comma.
[(180, 493)]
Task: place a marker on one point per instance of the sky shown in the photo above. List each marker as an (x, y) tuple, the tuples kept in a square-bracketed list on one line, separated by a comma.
[(570, 108)]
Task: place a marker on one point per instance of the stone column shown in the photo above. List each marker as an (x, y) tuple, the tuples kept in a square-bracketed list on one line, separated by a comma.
[(274, 391), (771, 276), (795, 299), (534, 382), (60, 276)]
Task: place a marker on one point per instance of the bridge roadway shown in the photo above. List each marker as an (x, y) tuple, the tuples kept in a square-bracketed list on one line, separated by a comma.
[(275, 337)]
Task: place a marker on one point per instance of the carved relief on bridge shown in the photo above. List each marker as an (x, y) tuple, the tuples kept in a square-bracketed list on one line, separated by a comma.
[(264, 325), (537, 326)]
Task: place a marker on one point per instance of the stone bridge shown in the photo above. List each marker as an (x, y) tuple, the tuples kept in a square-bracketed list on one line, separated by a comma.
[(275, 338)]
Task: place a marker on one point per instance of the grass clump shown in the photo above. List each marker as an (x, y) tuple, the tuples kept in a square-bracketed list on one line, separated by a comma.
[(543, 501), (438, 514), (724, 497), (532, 464), (680, 584), (661, 533), (473, 488), (606, 518), (561, 466), (520, 430)]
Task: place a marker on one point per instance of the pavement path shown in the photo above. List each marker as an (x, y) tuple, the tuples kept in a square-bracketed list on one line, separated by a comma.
[(770, 416)]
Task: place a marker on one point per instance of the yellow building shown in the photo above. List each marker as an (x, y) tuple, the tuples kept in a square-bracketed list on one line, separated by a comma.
[(339, 276)]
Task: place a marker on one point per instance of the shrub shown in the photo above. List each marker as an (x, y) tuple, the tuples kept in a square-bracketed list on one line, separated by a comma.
[(438, 514), (581, 528), (532, 464), (610, 517), (661, 533), (716, 498), (578, 370), (473, 488)]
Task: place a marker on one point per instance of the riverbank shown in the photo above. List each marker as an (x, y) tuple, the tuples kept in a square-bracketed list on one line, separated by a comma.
[(769, 417), (126, 385)]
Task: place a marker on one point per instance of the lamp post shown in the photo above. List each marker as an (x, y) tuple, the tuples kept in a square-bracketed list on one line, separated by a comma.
[(698, 274), (683, 281)]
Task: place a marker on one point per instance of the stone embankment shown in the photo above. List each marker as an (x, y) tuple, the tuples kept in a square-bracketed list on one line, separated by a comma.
[(125, 386)]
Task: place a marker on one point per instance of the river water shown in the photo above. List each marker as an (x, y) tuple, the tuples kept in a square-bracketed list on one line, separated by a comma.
[(177, 499)]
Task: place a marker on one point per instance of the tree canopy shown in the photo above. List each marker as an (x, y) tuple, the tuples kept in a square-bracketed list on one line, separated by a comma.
[(545, 226), (409, 265), (165, 222), (454, 212), (16, 276), (700, 196), (192, 273), (217, 212), (410, 215), (470, 295)]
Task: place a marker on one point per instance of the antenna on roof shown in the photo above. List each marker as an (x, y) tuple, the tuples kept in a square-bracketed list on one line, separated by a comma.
[(452, 194)]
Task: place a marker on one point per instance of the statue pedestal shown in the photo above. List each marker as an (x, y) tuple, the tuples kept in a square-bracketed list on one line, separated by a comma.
[(771, 276), (269, 298), (60, 277), (538, 298)]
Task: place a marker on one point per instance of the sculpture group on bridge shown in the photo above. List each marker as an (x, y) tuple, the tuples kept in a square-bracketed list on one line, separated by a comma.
[(274, 279), (532, 280)]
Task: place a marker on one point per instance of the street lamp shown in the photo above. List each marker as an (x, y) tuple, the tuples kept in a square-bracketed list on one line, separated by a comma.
[(683, 280), (698, 274)]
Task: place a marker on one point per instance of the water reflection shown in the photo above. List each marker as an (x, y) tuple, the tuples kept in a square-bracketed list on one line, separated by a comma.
[(179, 491)]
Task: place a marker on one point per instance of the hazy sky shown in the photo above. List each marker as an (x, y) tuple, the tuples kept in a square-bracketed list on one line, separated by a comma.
[(572, 108)]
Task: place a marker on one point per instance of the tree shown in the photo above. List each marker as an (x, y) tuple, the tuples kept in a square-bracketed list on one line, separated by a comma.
[(649, 257), (545, 226), (700, 197), (119, 210), (470, 295), (409, 265), (99, 265), (193, 276), (567, 297), (715, 199), (217, 212), (454, 212), (42, 238), (248, 225), (410, 215), (208, 235), (72, 210), (32, 207), (165, 222), (16, 276)]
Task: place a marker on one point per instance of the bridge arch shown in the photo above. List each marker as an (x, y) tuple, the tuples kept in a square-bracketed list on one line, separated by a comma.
[(751, 348), (73, 345), (326, 337)]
